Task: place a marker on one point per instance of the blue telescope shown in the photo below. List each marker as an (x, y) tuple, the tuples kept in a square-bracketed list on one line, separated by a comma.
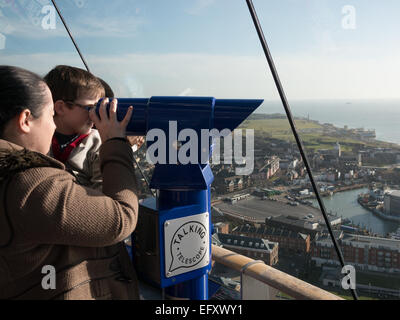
[(182, 225), (189, 111)]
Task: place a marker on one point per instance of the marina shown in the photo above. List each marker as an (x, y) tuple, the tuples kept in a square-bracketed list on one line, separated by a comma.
[(345, 205)]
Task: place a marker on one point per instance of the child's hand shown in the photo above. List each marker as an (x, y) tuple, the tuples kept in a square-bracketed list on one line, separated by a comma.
[(110, 127), (136, 142)]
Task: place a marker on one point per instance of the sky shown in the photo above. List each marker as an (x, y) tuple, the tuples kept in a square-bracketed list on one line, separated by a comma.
[(323, 49)]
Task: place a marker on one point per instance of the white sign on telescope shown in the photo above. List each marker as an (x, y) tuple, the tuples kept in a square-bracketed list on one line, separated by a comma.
[(187, 243)]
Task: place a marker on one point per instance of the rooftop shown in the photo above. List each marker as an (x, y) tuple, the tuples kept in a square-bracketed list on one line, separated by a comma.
[(246, 242), (395, 193), (388, 243), (268, 230), (295, 221)]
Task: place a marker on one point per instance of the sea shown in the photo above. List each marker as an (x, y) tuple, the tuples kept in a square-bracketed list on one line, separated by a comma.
[(381, 115)]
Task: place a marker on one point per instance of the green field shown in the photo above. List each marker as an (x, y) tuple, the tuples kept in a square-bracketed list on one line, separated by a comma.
[(278, 126), (346, 297), (350, 297), (378, 280), (280, 129)]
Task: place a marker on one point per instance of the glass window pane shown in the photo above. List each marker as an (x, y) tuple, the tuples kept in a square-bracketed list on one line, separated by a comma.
[(338, 65)]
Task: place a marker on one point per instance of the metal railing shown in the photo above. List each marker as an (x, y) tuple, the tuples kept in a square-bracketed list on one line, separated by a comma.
[(293, 287)]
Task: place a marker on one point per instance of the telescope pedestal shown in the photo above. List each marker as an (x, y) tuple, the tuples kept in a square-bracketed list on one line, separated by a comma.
[(174, 206)]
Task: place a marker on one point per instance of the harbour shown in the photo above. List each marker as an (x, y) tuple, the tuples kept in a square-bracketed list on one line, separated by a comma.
[(345, 205)]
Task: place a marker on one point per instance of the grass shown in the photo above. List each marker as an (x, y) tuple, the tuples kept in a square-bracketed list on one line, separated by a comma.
[(274, 178), (284, 296), (279, 126), (377, 280), (350, 297), (346, 297), (280, 129)]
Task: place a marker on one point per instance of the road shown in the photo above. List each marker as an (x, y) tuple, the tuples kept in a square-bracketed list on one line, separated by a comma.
[(261, 209)]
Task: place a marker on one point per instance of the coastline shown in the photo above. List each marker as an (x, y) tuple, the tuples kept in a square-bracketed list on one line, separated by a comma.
[(338, 190), (336, 111), (275, 124), (359, 216)]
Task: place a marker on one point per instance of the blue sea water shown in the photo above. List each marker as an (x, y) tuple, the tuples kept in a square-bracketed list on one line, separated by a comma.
[(381, 115)]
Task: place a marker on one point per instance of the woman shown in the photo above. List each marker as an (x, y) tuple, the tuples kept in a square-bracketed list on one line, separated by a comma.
[(60, 240)]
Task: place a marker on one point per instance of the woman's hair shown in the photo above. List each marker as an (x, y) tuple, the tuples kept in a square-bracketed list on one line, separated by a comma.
[(20, 89)]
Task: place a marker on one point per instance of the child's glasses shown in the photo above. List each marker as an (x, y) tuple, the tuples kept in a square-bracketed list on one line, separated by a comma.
[(86, 107)]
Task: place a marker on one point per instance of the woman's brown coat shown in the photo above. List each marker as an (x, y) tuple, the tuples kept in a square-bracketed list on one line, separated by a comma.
[(47, 219)]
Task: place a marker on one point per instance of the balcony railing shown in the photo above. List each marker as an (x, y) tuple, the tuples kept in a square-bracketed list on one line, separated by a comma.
[(263, 281), (271, 277)]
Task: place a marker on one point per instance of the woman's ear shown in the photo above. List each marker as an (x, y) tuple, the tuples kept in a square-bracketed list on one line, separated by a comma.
[(59, 107), (24, 121)]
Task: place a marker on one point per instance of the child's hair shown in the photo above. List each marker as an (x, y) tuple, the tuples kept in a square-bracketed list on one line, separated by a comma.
[(108, 91), (69, 83)]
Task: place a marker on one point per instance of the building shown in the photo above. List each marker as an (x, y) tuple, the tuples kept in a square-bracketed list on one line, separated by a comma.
[(265, 192), (266, 168), (289, 241), (330, 176), (363, 252), (237, 197), (292, 175), (294, 224), (288, 164), (235, 183), (338, 149), (272, 166), (364, 134), (258, 249), (334, 220), (350, 159), (221, 227), (392, 203)]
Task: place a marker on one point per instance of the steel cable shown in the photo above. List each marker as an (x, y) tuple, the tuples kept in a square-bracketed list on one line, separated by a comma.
[(293, 127)]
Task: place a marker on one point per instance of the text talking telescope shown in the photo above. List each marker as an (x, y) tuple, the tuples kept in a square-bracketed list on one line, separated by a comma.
[(172, 241)]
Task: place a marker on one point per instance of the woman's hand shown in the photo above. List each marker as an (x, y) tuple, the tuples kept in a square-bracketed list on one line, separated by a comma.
[(109, 127)]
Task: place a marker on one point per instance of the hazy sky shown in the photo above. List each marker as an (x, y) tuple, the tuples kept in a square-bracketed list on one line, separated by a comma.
[(210, 48)]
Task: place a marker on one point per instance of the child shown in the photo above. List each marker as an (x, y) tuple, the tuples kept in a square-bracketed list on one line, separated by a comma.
[(75, 143)]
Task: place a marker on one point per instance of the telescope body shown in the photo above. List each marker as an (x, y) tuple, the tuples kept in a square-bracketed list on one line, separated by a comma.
[(189, 112), (183, 220)]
